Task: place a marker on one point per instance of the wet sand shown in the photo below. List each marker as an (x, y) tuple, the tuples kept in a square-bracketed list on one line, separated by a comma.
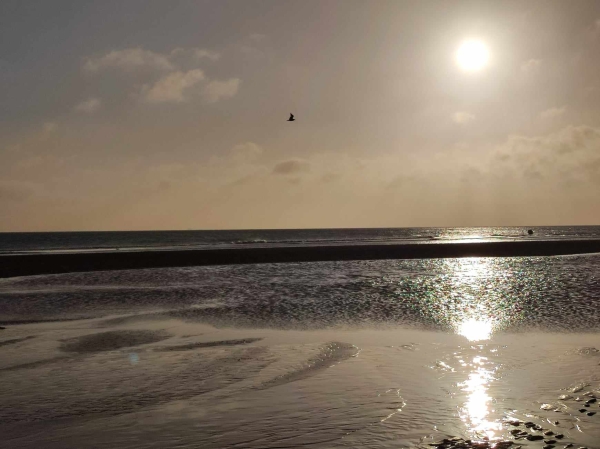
[(158, 383), (12, 265), (377, 354)]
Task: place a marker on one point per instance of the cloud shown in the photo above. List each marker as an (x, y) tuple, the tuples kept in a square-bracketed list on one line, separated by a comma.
[(217, 90), (246, 152), (89, 106), (462, 118), (195, 53), (553, 112), (253, 46), (552, 178), (291, 166), (50, 127), (531, 66), (568, 155), (172, 87), (13, 148), (15, 191), (593, 90), (330, 177), (201, 53), (257, 37), (129, 59)]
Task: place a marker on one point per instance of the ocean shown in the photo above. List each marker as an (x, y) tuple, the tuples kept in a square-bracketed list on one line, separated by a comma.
[(388, 353), (63, 241)]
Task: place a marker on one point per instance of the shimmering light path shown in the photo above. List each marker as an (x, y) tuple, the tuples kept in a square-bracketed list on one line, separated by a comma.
[(476, 410), (473, 276), (472, 296)]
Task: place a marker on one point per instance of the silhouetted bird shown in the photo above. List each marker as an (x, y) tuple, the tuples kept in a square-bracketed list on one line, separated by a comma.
[(291, 119)]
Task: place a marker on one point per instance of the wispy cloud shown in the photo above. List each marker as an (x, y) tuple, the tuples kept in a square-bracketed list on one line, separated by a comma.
[(129, 59), (217, 90), (15, 191), (195, 53), (201, 53), (330, 177), (253, 46), (89, 106), (567, 155), (462, 118), (291, 167), (531, 66), (172, 87), (177, 75), (246, 152), (553, 112), (257, 37), (50, 127)]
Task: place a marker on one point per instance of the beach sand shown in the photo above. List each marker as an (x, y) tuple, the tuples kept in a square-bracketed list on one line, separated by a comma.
[(157, 383)]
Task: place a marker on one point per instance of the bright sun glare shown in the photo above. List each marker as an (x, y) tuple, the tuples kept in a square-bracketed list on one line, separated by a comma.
[(472, 55), (475, 330)]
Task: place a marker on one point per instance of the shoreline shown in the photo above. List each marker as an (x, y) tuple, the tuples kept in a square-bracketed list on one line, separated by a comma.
[(14, 265), (195, 384)]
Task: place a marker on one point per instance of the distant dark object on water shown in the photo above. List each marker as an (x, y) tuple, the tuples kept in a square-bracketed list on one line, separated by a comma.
[(291, 119), (2, 328), (530, 232)]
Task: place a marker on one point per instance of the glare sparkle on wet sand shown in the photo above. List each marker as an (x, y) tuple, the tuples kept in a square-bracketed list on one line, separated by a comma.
[(477, 407)]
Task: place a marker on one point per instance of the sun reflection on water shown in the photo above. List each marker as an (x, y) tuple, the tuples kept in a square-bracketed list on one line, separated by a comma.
[(476, 320), (475, 329), (477, 407), (471, 279)]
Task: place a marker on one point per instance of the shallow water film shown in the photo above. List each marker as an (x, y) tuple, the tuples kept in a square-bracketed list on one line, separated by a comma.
[(487, 352)]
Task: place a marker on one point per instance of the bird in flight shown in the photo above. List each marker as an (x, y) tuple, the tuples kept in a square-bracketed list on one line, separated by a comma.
[(291, 119)]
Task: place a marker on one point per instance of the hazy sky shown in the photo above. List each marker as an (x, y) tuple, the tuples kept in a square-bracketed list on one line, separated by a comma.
[(169, 114)]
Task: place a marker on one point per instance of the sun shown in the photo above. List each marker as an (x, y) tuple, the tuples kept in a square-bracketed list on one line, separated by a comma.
[(472, 55)]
